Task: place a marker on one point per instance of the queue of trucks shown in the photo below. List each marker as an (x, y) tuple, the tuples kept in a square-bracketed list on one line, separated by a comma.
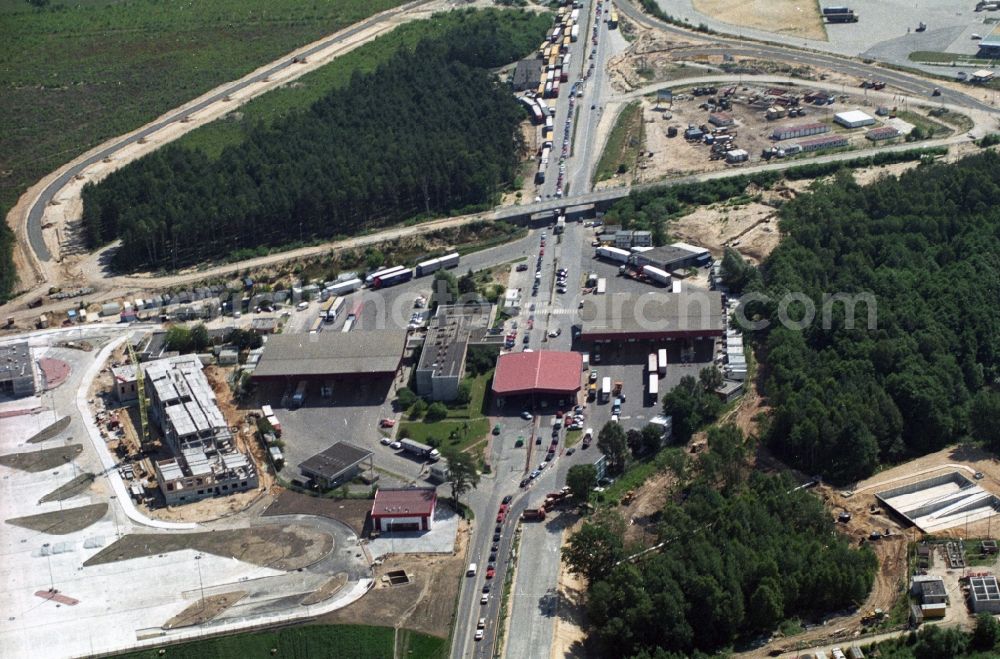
[(398, 274)]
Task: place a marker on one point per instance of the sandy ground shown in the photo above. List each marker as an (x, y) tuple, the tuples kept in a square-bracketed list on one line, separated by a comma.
[(61, 217), (799, 18), (751, 229), (352, 512), (426, 604), (568, 634)]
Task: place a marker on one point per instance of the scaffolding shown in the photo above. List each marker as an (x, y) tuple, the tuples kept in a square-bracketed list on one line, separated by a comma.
[(143, 401)]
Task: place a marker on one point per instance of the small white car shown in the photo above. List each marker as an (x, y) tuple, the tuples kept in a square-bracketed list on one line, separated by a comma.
[(395, 446), (479, 634), (386, 441), (485, 599)]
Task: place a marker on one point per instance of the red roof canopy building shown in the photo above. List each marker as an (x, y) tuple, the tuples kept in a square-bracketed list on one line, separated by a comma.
[(404, 509), (544, 372)]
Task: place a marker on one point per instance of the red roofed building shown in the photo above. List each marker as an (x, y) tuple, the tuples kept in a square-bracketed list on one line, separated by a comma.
[(404, 509), (544, 372)]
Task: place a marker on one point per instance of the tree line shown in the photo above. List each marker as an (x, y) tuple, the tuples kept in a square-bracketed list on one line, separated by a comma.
[(429, 132), (743, 553), (926, 248)]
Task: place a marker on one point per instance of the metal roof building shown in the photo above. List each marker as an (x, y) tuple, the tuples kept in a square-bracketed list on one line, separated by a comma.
[(337, 464), (543, 372), (404, 509), (17, 375), (655, 316), (798, 130), (367, 353), (853, 119)]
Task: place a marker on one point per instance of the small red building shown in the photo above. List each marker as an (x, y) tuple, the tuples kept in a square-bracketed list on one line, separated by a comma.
[(404, 509)]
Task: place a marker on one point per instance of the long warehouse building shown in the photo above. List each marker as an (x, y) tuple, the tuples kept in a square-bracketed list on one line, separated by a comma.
[(332, 355), (654, 316)]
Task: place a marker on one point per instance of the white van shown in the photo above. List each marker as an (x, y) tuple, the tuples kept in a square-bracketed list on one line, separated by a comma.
[(471, 572)]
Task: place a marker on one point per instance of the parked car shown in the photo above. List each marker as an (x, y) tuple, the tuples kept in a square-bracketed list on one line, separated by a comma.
[(484, 600), (490, 573), (521, 267), (526, 415), (386, 441), (387, 423), (507, 499), (395, 446)]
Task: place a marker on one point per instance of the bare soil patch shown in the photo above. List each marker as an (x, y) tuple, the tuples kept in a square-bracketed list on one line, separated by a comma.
[(352, 512), (330, 588), (569, 633), (800, 18), (426, 604), (751, 229), (50, 431), (286, 547), (43, 460), (204, 610), (61, 522), (70, 489)]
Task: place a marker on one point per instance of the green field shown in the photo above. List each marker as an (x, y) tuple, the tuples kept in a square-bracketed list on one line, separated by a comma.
[(77, 74), (307, 642), (231, 130), (624, 143), (468, 423)]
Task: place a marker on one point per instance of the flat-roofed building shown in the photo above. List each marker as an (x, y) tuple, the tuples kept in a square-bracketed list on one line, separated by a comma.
[(17, 374), (205, 462), (442, 361), (338, 464)]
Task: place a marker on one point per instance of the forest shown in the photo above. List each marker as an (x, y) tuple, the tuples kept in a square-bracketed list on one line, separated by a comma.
[(740, 559), (926, 247), (427, 133)]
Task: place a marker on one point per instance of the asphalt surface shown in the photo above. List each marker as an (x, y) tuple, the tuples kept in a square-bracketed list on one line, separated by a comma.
[(35, 238)]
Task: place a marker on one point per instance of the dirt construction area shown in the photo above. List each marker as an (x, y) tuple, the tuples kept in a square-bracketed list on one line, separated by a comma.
[(280, 547), (425, 603), (796, 17)]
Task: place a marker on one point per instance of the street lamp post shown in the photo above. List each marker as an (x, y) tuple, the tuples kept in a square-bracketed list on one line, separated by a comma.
[(201, 584)]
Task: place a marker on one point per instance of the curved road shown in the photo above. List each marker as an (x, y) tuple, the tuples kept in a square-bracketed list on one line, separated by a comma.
[(907, 82), (34, 221)]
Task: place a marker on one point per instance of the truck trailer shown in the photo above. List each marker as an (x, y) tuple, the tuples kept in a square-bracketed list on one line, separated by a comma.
[(657, 275), (661, 361), (613, 254), (420, 450)]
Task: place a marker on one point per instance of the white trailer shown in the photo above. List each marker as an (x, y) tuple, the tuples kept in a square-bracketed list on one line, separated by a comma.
[(656, 274), (574, 34), (385, 272), (602, 286), (605, 390), (613, 254), (661, 361), (654, 388), (431, 265), (344, 287)]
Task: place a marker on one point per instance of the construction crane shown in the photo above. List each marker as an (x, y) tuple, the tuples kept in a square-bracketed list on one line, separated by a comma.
[(141, 391)]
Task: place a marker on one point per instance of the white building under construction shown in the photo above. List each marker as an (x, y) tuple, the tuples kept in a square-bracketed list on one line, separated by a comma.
[(205, 461)]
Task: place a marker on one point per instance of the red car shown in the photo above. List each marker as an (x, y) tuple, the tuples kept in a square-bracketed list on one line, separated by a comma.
[(500, 517), (490, 572), (387, 423)]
